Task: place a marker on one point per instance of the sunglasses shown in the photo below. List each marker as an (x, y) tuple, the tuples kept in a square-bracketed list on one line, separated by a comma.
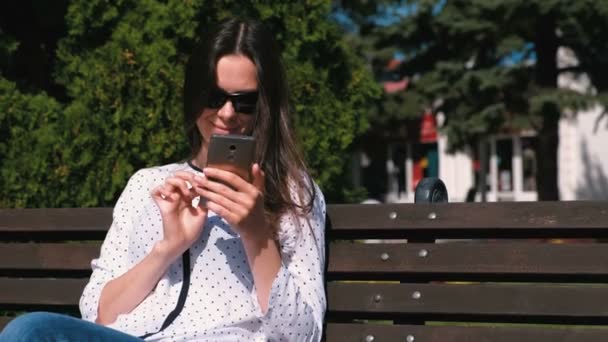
[(243, 102)]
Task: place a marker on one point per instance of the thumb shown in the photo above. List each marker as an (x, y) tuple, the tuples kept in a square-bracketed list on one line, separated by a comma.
[(258, 177), (201, 209)]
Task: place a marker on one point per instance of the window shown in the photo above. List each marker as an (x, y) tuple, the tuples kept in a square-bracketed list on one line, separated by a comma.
[(528, 156), (504, 160), (398, 154)]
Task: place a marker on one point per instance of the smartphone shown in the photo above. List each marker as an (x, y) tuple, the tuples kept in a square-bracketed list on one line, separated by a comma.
[(232, 153)]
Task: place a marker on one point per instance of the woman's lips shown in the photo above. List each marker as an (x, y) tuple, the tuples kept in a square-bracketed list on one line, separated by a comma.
[(220, 130)]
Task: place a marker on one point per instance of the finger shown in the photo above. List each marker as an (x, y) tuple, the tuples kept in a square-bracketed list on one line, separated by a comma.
[(228, 177), (218, 188), (197, 210), (188, 177), (232, 206), (245, 198), (223, 212), (162, 193), (198, 181), (185, 175), (180, 186), (201, 210), (258, 177), (233, 182), (168, 187)]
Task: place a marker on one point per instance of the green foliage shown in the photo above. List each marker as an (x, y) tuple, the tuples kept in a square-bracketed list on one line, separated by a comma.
[(121, 64), (585, 31), (29, 149), (122, 69), (490, 66)]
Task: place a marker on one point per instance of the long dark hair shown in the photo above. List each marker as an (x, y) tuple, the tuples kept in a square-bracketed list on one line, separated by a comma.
[(276, 148)]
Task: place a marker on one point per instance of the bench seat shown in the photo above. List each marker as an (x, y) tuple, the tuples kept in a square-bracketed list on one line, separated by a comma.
[(534, 271)]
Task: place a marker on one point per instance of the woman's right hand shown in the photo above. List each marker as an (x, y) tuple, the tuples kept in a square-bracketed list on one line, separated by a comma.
[(182, 223)]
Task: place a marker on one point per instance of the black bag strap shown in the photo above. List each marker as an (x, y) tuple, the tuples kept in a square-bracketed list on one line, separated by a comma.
[(181, 300)]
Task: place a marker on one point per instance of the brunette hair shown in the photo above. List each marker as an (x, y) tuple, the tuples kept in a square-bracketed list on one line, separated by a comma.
[(276, 149)]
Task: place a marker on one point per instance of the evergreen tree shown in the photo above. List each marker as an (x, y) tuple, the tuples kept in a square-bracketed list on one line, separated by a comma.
[(120, 64), (491, 65)]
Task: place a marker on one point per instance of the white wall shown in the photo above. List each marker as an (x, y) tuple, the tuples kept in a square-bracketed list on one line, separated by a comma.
[(583, 156), (455, 170), (583, 149), (568, 158)]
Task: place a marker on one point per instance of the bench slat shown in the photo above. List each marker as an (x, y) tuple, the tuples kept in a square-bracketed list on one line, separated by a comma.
[(359, 332), (528, 302), (55, 219), (47, 256), (458, 259), (41, 291), (583, 215), (504, 219)]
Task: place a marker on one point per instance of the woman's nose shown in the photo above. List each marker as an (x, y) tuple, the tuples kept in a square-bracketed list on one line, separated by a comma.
[(227, 112)]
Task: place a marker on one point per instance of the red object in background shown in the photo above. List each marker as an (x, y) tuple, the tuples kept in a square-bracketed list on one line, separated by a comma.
[(476, 165), (428, 128), (395, 86), (393, 64), (417, 174)]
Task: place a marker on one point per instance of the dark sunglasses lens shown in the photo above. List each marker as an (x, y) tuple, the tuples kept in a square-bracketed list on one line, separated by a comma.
[(216, 99), (245, 108), (245, 103)]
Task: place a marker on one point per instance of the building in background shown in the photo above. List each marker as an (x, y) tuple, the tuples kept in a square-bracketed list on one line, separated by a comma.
[(390, 165)]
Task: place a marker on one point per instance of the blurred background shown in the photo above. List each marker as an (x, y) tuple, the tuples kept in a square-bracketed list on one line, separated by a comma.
[(504, 100)]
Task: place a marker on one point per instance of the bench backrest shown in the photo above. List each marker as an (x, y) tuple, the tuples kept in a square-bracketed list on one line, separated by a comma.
[(543, 263), (45, 257), (469, 272)]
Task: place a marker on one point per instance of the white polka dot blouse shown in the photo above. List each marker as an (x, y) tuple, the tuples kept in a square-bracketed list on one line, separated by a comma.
[(221, 303)]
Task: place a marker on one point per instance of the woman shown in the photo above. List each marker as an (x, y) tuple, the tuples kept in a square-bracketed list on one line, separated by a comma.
[(246, 265)]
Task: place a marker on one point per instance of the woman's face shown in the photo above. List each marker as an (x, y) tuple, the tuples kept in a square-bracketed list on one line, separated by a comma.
[(235, 74)]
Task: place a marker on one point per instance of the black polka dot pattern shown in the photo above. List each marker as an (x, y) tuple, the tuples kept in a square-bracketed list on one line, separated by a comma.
[(222, 302)]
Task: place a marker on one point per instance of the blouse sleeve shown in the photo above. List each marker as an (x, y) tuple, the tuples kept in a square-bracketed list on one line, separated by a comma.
[(297, 297), (114, 258)]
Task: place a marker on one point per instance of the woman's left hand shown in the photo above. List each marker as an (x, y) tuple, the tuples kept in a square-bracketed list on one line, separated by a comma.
[(239, 202)]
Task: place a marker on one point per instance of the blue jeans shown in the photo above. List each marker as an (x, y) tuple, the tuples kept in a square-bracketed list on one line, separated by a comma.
[(46, 326)]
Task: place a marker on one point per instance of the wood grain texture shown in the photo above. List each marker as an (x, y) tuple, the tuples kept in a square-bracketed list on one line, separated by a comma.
[(401, 333), (507, 302), (16, 292), (48, 256), (55, 220), (531, 261), (463, 220)]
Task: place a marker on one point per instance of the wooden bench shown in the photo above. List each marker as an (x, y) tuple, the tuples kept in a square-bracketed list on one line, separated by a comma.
[(511, 283)]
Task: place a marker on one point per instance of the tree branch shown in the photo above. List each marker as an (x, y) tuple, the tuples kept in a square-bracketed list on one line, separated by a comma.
[(599, 119)]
